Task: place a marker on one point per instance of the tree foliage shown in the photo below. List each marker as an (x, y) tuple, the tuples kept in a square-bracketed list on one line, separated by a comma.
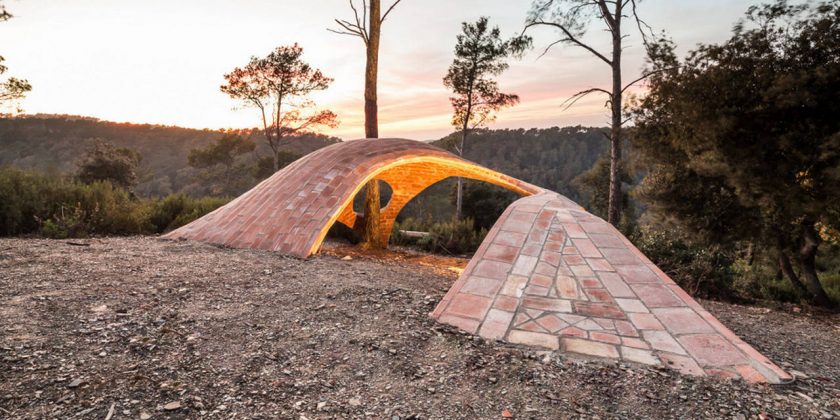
[(742, 138), (105, 162), (12, 89), (223, 166), (480, 54), (279, 85), (594, 188)]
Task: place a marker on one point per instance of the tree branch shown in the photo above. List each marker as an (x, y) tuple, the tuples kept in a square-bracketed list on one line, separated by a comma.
[(349, 29), (569, 38), (578, 96), (605, 13), (645, 76), (359, 28), (389, 11), (640, 23)]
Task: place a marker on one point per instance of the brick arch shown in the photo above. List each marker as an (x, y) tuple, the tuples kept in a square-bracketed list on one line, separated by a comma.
[(292, 210), (409, 177)]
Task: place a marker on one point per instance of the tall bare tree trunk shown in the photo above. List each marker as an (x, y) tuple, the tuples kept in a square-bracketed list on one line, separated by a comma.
[(807, 262), (459, 193), (614, 211), (372, 234)]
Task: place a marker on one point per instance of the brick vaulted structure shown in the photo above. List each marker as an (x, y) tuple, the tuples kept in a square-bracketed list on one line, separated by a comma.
[(548, 274)]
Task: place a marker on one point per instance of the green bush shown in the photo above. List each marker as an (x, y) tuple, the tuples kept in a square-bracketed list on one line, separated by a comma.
[(177, 210), (699, 270), (60, 207), (831, 283), (762, 280), (454, 237)]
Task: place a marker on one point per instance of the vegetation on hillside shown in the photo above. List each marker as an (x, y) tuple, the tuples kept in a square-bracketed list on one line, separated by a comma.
[(63, 207), (56, 145), (570, 20)]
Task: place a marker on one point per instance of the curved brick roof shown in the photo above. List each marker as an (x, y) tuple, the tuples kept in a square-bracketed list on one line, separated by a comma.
[(292, 210), (548, 274)]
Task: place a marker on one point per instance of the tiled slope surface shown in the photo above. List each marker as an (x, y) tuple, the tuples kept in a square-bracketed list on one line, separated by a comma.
[(551, 275), (292, 210)]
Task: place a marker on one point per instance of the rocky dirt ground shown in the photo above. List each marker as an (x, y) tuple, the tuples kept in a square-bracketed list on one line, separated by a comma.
[(118, 328)]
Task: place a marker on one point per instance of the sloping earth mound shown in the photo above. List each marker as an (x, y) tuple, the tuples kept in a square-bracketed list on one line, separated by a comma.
[(139, 327)]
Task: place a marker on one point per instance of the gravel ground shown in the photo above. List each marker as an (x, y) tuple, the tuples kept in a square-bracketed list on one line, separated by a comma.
[(144, 328)]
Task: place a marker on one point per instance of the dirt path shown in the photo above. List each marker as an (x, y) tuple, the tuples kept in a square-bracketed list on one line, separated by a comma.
[(185, 330)]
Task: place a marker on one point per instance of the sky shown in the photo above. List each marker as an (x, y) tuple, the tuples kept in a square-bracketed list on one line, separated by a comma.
[(162, 61)]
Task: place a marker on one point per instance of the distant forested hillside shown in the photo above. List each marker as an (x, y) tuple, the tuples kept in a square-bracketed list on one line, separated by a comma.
[(550, 157), (57, 143)]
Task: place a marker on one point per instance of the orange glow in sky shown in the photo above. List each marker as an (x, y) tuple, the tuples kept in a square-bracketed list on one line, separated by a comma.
[(162, 61)]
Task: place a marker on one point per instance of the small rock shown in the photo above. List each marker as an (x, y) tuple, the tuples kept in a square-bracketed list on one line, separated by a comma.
[(346, 258), (75, 383), (506, 413), (355, 402), (145, 416), (174, 405), (321, 405), (799, 374)]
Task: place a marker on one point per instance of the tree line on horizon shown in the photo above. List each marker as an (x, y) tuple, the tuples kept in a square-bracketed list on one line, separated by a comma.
[(734, 150)]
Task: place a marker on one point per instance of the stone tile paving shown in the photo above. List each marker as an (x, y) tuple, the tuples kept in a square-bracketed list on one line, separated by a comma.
[(551, 275)]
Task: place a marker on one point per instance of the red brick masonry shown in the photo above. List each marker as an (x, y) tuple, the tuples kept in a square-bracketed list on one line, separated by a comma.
[(292, 210), (549, 274)]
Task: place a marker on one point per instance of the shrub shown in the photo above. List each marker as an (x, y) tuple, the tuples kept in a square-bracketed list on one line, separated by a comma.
[(761, 280), (831, 283), (699, 270), (454, 237), (20, 201), (60, 207), (177, 210)]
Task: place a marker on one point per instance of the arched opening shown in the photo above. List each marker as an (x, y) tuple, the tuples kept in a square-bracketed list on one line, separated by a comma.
[(483, 202), (408, 177), (427, 220)]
